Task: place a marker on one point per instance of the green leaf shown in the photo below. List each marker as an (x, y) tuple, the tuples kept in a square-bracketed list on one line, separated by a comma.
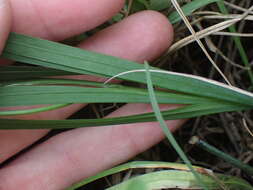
[(32, 110), (36, 95), (45, 81), (213, 97), (58, 56), (139, 5), (184, 112), (159, 5), (164, 180), (180, 179), (167, 131), (189, 8), (8, 73), (175, 174), (131, 165)]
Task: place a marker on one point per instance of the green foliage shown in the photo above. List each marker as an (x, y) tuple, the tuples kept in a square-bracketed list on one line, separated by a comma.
[(189, 8), (201, 96), (166, 130), (174, 176), (139, 5), (159, 5)]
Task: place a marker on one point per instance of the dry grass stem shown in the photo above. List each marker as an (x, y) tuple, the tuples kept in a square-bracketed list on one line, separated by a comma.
[(236, 7), (246, 127), (181, 13), (233, 34), (201, 34)]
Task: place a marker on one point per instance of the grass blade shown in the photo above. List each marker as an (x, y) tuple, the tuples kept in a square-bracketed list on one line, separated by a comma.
[(166, 130), (8, 73), (232, 183), (189, 8), (32, 111), (180, 113), (164, 180), (220, 97), (38, 95), (229, 159), (131, 165), (45, 81), (33, 51)]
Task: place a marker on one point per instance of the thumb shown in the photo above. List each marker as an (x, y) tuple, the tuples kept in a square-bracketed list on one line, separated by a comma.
[(5, 22)]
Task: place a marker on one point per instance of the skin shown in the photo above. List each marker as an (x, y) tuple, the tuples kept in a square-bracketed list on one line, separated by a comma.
[(73, 155)]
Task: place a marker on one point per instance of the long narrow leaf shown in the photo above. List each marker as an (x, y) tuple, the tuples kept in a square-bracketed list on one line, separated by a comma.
[(174, 179), (58, 56), (45, 81), (32, 110), (132, 165), (184, 112), (219, 97), (8, 73), (189, 8), (165, 180), (183, 179), (167, 131), (35, 95)]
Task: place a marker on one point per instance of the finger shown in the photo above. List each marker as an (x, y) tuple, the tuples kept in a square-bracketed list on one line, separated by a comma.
[(149, 33), (60, 19), (77, 154), (5, 22), (146, 35), (53, 20)]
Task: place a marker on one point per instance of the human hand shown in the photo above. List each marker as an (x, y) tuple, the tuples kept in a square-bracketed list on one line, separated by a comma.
[(73, 155)]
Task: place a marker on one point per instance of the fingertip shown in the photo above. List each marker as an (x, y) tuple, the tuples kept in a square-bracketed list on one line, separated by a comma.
[(160, 26), (5, 22)]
